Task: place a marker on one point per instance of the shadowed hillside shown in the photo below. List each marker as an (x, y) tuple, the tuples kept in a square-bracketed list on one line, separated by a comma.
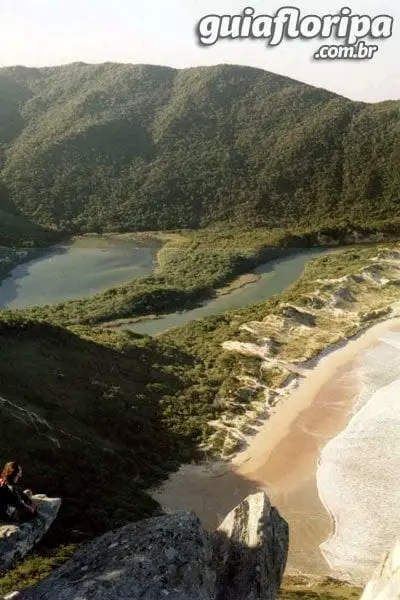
[(16, 230), (19, 237), (94, 418)]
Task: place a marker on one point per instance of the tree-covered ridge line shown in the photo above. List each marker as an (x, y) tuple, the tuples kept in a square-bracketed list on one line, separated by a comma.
[(117, 147)]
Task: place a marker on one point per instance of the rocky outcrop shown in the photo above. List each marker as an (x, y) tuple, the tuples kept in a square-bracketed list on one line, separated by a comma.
[(174, 557), (385, 582), (250, 550), (17, 540), (166, 557)]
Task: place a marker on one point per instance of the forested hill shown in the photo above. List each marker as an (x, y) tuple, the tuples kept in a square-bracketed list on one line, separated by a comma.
[(112, 146), (16, 230)]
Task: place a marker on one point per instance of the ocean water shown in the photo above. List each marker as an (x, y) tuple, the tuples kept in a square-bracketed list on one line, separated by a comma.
[(359, 470)]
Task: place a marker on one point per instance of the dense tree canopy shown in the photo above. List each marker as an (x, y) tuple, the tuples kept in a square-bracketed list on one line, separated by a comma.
[(133, 147)]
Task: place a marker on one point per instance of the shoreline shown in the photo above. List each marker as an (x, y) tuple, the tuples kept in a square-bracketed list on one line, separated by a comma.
[(332, 356), (266, 464), (119, 323), (366, 440), (238, 283)]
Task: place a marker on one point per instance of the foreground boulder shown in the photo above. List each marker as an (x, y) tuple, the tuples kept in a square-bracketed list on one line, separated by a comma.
[(17, 540), (165, 557), (250, 550), (385, 582), (174, 557)]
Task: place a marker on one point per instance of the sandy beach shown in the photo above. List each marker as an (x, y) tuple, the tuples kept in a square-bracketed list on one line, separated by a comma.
[(282, 458)]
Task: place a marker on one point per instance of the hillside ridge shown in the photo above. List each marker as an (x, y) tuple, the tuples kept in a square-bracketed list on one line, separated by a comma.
[(114, 147)]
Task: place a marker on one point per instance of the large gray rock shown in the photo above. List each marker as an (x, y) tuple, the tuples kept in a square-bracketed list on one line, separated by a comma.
[(174, 557), (250, 550), (165, 557), (385, 582), (17, 540)]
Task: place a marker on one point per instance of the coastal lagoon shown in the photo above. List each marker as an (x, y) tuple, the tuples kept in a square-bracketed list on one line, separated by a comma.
[(84, 267), (90, 265), (274, 277)]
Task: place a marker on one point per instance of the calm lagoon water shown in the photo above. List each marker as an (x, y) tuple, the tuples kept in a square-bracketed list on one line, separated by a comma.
[(90, 265), (82, 268), (275, 276)]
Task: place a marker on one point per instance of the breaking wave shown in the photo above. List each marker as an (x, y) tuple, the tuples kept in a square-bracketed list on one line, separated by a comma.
[(359, 470)]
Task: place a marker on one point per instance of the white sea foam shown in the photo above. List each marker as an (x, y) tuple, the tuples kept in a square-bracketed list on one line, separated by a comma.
[(392, 340), (359, 470)]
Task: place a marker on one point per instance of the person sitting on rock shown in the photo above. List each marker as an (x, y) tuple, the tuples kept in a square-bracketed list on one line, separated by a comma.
[(15, 505)]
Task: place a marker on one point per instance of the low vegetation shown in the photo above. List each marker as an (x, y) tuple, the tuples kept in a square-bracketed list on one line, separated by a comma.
[(301, 587), (193, 266), (321, 311), (99, 416), (38, 566)]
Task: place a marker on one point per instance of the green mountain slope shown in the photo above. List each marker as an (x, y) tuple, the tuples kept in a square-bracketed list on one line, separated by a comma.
[(15, 229), (105, 147), (19, 237), (95, 417)]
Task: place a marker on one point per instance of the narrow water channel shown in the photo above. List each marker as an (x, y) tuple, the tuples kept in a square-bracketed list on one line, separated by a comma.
[(275, 277)]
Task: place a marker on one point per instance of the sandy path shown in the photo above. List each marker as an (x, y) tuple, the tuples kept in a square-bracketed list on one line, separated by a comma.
[(282, 457)]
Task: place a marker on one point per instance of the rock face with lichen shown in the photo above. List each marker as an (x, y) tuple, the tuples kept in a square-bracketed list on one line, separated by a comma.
[(174, 557), (165, 557), (250, 549), (17, 540)]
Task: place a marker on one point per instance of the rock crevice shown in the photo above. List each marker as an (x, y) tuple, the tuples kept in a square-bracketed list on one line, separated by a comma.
[(174, 557)]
